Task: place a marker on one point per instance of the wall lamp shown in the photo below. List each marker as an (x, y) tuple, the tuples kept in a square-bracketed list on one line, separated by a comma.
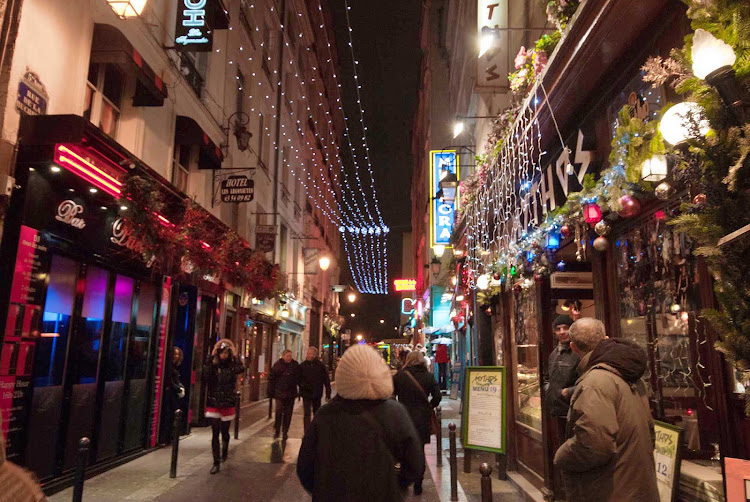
[(458, 126), (241, 134), (126, 9)]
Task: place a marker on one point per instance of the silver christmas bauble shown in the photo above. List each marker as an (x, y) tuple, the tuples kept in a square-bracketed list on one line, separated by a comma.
[(603, 228), (662, 190), (601, 243)]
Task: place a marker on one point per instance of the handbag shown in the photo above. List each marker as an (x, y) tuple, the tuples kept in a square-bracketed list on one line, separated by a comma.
[(433, 421)]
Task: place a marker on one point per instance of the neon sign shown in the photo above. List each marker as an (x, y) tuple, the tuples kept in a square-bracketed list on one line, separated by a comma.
[(442, 210), (408, 306), (405, 284), (192, 33)]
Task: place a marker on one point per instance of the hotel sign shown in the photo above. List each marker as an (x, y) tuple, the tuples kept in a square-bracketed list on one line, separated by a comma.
[(442, 210), (192, 32), (492, 66)]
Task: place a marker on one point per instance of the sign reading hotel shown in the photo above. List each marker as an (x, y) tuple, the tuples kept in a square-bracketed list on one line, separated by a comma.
[(484, 409), (192, 33), (442, 210)]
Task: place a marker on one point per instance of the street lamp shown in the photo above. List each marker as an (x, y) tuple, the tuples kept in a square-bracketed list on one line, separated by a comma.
[(683, 121), (352, 297), (435, 267), (126, 9), (353, 314), (324, 263), (439, 250), (241, 134), (359, 338), (712, 61), (382, 321)]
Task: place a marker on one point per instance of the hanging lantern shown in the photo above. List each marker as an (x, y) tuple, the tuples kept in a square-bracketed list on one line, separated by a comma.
[(592, 213), (553, 241), (654, 168), (127, 8), (700, 200)]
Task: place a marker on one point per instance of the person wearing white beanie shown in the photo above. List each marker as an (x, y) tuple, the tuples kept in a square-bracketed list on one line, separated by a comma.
[(350, 450)]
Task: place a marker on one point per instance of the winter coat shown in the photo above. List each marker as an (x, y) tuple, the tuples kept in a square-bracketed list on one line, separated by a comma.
[(414, 400), (221, 376), (563, 373), (350, 450), (609, 455), (313, 377), (284, 380), (441, 354)]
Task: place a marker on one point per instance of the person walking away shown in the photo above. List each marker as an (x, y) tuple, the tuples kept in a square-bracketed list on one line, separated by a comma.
[(221, 370), (563, 373), (411, 386), (173, 392), (283, 384), (313, 377), (442, 360), (609, 454), (354, 442)]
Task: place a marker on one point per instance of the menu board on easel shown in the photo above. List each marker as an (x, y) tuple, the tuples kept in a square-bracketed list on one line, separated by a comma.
[(667, 460), (484, 409)]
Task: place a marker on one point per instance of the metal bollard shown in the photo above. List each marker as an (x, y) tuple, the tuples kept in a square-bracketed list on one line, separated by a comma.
[(83, 458), (485, 470), (175, 443), (467, 459), (237, 417), (453, 464), (439, 436)]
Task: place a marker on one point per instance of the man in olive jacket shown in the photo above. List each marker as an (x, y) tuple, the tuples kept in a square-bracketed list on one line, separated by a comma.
[(609, 454)]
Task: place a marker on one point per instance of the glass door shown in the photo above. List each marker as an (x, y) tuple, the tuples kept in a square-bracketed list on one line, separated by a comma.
[(204, 341)]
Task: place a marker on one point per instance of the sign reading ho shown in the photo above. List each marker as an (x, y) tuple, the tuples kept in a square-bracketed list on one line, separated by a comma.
[(442, 212), (237, 189), (192, 33)]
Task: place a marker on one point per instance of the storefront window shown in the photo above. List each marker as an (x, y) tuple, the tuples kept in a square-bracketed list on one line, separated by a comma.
[(526, 333), (85, 350), (58, 308), (121, 312), (138, 352)]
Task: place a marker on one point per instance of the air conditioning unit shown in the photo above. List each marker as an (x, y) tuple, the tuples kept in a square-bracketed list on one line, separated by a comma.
[(572, 280)]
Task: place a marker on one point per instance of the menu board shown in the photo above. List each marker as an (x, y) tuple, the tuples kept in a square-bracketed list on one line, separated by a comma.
[(667, 460), (484, 409)]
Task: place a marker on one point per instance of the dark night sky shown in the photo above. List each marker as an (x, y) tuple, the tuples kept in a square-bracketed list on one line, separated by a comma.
[(385, 36)]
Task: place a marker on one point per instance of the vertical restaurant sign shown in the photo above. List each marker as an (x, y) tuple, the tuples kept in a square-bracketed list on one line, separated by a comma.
[(667, 441), (484, 409), (492, 67), (160, 359), (442, 212), (192, 33)]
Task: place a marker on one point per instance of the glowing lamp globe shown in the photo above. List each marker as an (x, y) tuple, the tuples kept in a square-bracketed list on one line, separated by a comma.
[(439, 250), (126, 9), (654, 168), (458, 128), (710, 54), (324, 263), (483, 282), (592, 213), (679, 123)]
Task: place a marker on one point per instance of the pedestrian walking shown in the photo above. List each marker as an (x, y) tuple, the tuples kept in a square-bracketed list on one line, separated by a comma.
[(283, 387), (313, 377), (563, 373), (221, 371), (353, 444), (443, 360), (173, 392), (609, 454), (411, 386)]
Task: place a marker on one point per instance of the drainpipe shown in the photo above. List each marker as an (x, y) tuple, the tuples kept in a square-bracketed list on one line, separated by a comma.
[(277, 155)]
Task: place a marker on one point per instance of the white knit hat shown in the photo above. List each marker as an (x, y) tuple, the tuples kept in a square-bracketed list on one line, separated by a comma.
[(363, 374)]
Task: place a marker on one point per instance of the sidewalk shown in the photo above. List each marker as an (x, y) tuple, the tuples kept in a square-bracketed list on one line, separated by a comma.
[(262, 469)]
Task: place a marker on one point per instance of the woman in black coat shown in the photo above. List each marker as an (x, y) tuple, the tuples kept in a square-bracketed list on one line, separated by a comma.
[(221, 372), (173, 392), (413, 395)]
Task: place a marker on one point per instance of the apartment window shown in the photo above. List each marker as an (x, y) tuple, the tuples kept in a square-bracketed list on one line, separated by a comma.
[(285, 167), (246, 21), (265, 52), (194, 67), (104, 88), (283, 237), (181, 167), (291, 33)]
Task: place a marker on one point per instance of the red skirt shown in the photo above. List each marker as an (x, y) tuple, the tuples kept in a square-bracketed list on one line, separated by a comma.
[(225, 414)]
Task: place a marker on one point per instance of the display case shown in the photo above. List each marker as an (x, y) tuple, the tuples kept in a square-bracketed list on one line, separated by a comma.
[(526, 338)]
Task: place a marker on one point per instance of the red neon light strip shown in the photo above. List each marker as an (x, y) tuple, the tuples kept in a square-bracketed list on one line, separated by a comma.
[(205, 244), (164, 221), (81, 167)]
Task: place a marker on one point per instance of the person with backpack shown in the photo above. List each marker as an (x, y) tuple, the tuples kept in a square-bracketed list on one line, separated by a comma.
[(351, 448), (411, 386)]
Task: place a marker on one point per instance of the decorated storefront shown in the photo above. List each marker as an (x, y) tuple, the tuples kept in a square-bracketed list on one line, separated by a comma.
[(614, 202)]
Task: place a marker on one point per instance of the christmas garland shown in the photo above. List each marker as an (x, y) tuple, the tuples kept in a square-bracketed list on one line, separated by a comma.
[(193, 241)]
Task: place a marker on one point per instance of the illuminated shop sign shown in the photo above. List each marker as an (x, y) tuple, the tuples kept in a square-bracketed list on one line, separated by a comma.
[(192, 32), (442, 209), (405, 284), (408, 305)]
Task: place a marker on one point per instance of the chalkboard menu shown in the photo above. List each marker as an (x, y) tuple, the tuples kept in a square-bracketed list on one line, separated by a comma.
[(667, 460), (484, 409)]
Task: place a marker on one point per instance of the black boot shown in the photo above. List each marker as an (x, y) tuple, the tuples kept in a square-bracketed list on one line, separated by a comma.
[(215, 468), (276, 434), (224, 451)]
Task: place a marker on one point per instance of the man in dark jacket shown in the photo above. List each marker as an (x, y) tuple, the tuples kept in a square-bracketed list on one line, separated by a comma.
[(354, 441), (313, 377), (563, 373), (609, 455), (283, 384)]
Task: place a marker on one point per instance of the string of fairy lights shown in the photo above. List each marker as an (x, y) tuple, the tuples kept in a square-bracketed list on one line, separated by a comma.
[(345, 201)]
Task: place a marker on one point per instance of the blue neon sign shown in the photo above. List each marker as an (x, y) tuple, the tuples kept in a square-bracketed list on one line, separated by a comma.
[(442, 209)]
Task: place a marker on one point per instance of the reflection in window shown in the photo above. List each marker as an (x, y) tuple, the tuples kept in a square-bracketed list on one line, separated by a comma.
[(526, 335), (58, 307), (138, 356), (86, 343), (118, 335)]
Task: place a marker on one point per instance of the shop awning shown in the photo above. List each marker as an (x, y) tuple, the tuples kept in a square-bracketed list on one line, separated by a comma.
[(110, 46), (188, 132)]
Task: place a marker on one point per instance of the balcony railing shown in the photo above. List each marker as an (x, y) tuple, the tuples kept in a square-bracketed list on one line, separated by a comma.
[(191, 74)]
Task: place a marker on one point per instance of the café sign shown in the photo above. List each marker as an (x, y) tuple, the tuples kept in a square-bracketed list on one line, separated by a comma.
[(192, 32)]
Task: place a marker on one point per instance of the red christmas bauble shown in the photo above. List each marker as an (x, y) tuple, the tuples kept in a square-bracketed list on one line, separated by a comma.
[(700, 199), (496, 276), (630, 206), (565, 231)]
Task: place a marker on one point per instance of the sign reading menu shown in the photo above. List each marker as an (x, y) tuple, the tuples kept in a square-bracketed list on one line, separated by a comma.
[(667, 460), (484, 409)]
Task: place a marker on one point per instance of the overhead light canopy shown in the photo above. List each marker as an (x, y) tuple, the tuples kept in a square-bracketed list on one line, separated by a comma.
[(126, 9), (710, 54)]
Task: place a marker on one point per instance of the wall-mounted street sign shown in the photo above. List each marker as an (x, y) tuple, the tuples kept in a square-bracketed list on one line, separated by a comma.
[(192, 33), (32, 95), (265, 237), (237, 189)]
